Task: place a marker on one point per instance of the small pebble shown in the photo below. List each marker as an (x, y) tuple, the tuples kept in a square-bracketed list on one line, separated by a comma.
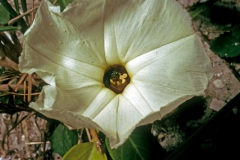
[(216, 104), (218, 83)]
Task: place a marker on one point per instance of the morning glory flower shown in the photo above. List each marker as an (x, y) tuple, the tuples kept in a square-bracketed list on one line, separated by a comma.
[(114, 65)]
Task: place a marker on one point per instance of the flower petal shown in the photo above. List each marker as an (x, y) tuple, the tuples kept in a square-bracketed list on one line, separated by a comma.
[(74, 107), (171, 72), (56, 49), (120, 117), (184, 56), (107, 119), (68, 72), (70, 58), (132, 28)]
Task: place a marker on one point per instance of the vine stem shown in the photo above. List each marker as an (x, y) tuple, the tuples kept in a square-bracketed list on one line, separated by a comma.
[(22, 15), (96, 140)]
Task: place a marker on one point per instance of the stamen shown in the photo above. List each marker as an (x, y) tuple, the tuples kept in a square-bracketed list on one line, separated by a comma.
[(122, 77), (112, 81), (116, 78)]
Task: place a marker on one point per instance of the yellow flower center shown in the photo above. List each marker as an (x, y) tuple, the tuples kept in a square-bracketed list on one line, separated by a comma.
[(116, 78)]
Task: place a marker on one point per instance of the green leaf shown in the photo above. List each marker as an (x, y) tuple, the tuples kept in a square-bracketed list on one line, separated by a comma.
[(62, 3), (4, 99), (14, 14), (16, 5), (236, 33), (227, 45), (9, 28), (24, 8), (63, 139), (141, 145), (84, 151), (198, 10), (4, 15)]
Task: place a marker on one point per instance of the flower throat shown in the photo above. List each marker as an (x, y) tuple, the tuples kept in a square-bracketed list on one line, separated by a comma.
[(116, 78)]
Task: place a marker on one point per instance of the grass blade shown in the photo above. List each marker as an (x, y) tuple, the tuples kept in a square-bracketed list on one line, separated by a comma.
[(13, 13), (9, 28)]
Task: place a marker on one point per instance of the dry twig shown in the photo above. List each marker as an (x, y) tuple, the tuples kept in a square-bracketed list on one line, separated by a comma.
[(29, 87), (22, 15), (8, 63)]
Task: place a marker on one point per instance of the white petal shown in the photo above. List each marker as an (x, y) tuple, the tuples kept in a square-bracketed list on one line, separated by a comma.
[(99, 103), (54, 34), (132, 28), (171, 72), (163, 111), (173, 62), (69, 73), (107, 119), (74, 107), (62, 50), (76, 100), (137, 100), (120, 117), (128, 117)]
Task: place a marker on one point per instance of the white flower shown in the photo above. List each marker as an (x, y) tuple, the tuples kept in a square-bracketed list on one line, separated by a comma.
[(152, 39)]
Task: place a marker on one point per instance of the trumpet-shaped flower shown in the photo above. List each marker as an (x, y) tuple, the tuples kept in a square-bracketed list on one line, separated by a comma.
[(114, 65)]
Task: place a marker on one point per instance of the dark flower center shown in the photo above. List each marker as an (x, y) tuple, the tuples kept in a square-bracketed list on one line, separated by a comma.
[(116, 78)]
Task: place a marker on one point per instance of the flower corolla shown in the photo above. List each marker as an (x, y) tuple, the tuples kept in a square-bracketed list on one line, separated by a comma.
[(71, 51)]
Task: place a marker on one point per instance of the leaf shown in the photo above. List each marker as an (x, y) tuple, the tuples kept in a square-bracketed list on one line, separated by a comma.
[(24, 8), (14, 14), (84, 151), (9, 28), (141, 145), (62, 3), (236, 33), (63, 139), (227, 45), (4, 15), (198, 10), (4, 99), (16, 5)]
